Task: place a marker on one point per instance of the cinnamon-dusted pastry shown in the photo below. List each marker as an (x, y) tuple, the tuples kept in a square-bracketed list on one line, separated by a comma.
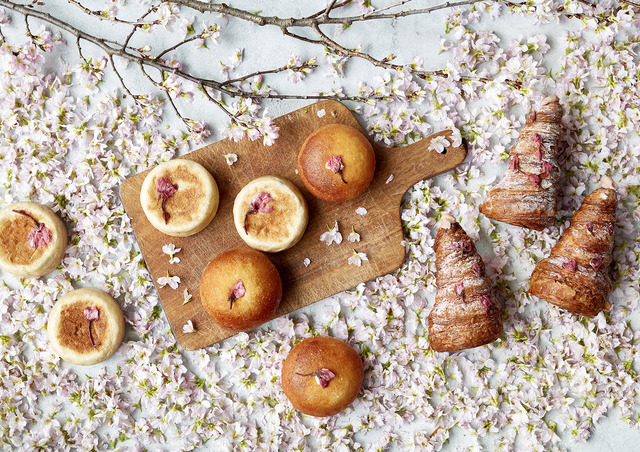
[(179, 197), (85, 326), (322, 375), (241, 289), (336, 163), (466, 313), (270, 214), (575, 276), (526, 195), (33, 239)]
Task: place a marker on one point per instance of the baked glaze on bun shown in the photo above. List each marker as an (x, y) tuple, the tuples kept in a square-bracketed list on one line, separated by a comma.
[(322, 376), (33, 239), (68, 326), (336, 163), (241, 289), (270, 214), (179, 197)]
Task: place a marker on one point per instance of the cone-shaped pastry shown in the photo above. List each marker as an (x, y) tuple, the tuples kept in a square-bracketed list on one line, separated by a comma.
[(526, 195), (576, 274), (466, 313)]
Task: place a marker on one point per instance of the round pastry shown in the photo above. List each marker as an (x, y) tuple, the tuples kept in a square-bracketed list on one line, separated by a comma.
[(336, 163), (179, 197), (33, 239), (86, 326), (270, 214), (241, 289), (322, 376)]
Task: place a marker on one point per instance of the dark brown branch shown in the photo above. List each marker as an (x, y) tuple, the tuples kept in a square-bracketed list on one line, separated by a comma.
[(308, 22)]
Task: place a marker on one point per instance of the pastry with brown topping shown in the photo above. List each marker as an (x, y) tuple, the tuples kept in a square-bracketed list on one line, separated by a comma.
[(33, 239), (466, 313), (576, 275), (526, 195), (85, 326)]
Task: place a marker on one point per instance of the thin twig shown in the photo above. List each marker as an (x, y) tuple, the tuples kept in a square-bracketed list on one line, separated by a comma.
[(174, 47), (97, 13), (268, 71)]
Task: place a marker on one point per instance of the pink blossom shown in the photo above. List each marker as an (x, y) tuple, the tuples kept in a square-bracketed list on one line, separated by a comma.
[(39, 236), (260, 203), (477, 269), (237, 291), (459, 289), (91, 313), (532, 117), (467, 246), (514, 163), (546, 167), (596, 263), (534, 179), (485, 302), (323, 377), (570, 265), (165, 188), (452, 246), (334, 164)]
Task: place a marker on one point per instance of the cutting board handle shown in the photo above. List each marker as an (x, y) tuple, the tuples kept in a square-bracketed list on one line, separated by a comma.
[(415, 162)]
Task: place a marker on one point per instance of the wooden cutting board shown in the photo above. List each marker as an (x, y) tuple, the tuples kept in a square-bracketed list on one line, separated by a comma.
[(328, 273)]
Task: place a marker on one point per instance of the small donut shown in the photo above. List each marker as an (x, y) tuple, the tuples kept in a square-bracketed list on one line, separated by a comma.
[(85, 326), (33, 239), (241, 289), (322, 375), (336, 163), (270, 214), (179, 197)]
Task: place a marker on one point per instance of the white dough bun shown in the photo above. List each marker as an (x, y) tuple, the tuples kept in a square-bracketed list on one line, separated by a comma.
[(16, 255), (278, 230), (191, 208), (68, 328)]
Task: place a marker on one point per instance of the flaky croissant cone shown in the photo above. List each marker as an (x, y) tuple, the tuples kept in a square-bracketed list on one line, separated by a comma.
[(466, 313), (575, 276), (526, 195)]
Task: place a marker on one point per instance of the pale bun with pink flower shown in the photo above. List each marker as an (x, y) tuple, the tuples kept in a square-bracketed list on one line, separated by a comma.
[(179, 197), (85, 326), (270, 214), (33, 239)]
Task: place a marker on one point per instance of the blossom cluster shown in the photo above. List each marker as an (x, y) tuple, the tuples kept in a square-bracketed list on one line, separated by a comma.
[(67, 142)]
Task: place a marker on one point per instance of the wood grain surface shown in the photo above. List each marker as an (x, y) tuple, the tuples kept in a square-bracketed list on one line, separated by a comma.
[(328, 273)]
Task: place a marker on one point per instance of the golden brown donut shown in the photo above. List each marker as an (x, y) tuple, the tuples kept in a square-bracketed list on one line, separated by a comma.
[(328, 177), (241, 289), (322, 361)]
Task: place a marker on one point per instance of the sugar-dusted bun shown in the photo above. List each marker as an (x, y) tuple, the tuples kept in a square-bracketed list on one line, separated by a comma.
[(241, 289), (33, 239), (68, 326), (319, 361), (281, 219), (356, 160), (192, 199)]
